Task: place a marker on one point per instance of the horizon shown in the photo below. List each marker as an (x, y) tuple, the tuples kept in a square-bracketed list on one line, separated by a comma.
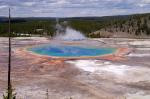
[(78, 16), (73, 8)]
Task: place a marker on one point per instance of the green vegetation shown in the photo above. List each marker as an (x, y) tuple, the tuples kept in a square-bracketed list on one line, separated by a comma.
[(87, 26), (92, 24), (135, 24), (138, 25), (12, 94), (28, 27)]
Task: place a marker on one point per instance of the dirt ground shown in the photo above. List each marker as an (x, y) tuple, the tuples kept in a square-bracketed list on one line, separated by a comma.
[(39, 77)]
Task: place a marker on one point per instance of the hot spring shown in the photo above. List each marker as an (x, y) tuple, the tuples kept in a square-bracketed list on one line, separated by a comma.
[(66, 33), (70, 51)]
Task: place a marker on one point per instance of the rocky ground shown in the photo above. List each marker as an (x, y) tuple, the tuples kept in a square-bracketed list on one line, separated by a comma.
[(38, 77)]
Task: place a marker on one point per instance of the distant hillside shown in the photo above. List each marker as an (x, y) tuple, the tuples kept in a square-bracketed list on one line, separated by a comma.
[(134, 26), (3, 19), (20, 26)]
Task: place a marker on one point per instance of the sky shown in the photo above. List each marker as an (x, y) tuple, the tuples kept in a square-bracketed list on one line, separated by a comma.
[(72, 8)]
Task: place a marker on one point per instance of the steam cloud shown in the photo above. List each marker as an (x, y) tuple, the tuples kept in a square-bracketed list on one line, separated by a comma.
[(63, 32)]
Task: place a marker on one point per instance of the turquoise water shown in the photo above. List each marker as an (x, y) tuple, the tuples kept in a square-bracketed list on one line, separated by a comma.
[(70, 51)]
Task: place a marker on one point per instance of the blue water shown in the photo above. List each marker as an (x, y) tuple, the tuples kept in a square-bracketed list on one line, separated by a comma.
[(70, 51)]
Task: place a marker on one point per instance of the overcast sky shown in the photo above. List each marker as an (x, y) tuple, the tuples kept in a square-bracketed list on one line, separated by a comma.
[(72, 8)]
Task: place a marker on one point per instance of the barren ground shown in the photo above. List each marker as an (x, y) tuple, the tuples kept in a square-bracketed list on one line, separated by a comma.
[(128, 78)]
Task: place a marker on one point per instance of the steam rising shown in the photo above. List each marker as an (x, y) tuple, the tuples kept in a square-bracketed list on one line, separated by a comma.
[(64, 32), (70, 34)]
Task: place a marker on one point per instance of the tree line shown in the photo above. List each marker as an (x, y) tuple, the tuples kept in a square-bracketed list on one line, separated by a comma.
[(137, 24)]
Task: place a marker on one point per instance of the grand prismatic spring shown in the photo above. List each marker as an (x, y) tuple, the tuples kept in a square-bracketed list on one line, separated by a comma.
[(70, 51)]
